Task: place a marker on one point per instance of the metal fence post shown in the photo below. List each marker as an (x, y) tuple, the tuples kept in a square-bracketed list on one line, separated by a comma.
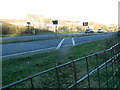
[(115, 63), (31, 82), (97, 70), (106, 70), (112, 68), (88, 72), (118, 63), (58, 80), (74, 69)]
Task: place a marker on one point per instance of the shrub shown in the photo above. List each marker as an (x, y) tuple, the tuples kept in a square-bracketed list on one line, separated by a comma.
[(111, 41), (14, 29)]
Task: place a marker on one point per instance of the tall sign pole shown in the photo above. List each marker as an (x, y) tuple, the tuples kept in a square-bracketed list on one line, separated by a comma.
[(28, 23), (56, 29), (85, 24), (55, 22)]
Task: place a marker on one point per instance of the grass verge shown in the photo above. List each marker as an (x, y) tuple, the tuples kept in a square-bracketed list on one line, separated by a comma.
[(19, 68)]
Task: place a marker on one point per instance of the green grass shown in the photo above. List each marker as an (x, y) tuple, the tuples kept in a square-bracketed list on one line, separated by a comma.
[(19, 68)]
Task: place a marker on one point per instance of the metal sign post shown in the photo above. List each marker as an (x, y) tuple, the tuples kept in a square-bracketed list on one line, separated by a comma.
[(85, 24), (55, 22), (28, 23), (34, 29)]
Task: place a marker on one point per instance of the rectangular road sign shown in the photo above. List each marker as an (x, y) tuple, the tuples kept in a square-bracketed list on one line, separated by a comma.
[(85, 23), (55, 21)]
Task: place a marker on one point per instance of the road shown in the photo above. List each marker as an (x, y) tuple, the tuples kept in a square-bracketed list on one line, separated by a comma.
[(38, 36), (21, 49)]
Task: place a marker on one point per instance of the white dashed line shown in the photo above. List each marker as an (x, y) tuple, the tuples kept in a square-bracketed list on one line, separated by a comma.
[(59, 45), (73, 41)]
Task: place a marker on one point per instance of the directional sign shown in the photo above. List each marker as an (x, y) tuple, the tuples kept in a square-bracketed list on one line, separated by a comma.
[(55, 21), (85, 23)]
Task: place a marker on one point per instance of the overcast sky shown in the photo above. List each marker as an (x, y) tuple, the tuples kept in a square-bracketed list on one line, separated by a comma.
[(100, 11)]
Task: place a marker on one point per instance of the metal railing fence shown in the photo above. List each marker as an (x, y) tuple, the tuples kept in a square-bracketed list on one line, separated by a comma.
[(99, 70)]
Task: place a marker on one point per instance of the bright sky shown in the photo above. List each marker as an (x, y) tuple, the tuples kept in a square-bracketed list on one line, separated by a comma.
[(99, 11)]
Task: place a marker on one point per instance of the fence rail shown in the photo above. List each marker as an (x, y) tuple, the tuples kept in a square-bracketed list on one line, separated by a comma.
[(101, 69)]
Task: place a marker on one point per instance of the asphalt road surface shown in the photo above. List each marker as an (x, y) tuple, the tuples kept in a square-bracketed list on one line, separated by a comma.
[(38, 36), (26, 48)]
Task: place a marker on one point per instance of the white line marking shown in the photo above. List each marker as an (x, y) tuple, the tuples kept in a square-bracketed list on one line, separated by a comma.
[(27, 52), (59, 45), (73, 41), (67, 45)]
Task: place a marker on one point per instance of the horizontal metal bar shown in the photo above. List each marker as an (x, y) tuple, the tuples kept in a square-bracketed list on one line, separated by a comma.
[(92, 72), (117, 84), (10, 85), (106, 82), (110, 78)]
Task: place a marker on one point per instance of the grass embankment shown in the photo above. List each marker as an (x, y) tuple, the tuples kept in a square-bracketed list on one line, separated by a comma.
[(19, 68), (7, 41)]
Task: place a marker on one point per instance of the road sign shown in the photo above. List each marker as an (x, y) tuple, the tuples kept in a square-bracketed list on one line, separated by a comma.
[(85, 23), (28, 23), (55, 21)]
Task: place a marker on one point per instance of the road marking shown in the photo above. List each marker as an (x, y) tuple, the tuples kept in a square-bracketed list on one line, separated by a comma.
[(73, 41), (59, 45), (67, 45), (27, 52)]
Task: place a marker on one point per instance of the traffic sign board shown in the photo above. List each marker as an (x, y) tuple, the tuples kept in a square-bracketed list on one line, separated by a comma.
[(85, 23), (28, 23), (55, 21)]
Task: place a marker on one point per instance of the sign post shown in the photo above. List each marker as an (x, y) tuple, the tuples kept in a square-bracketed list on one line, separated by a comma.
[(28, 23), (85, 24), (34, 30), (55, 22)]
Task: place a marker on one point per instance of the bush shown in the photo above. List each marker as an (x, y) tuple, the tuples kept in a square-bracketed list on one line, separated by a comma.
[(118, 36), (111, 41), (14, 29)]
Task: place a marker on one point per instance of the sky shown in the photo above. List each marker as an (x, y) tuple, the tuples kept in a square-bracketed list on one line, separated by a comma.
[(99, 11)]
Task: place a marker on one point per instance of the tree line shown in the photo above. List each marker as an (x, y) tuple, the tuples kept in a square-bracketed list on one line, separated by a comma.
[(64, 28)]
